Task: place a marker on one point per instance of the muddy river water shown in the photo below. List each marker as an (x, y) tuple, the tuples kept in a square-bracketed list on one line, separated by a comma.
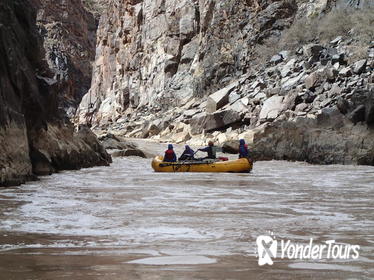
[(127, 222)]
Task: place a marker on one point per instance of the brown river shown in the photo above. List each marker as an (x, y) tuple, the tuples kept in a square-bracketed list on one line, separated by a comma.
[(127, 222)]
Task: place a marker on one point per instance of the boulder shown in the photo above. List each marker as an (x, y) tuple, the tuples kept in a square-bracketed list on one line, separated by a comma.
[(128, 153), (284, 54), (290, 83), (221, 119), (249, 135), (290, 101), (211, 122), (221, 138), (58, 148), (324, 141), (345, 72), (371, 52), (231, 147), (112, 142), (180, 127), (233, 96), (119, 147), (189, 51), (220, 98), (287, 68), (238, 106), (338, 58), (359, 66), (197, 123), (326, 102), (150, 129), (331, 74), (313, 50), (358, 114), (181, 137), (313, 80), (190, 113), (301, 107), (272, 108), (196, 141), (308, 97), (276, 59), (336, 41), (343, 105), (335, 91)]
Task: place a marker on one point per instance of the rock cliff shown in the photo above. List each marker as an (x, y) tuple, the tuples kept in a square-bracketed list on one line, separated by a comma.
[(34, 137), (189, 71), (69, 37), (156, 54)]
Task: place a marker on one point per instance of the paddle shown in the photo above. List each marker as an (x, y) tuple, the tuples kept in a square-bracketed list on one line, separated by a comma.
[(184, 163)]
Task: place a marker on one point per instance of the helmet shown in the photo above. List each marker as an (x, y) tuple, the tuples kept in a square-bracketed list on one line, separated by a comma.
[(170, 146), (210, 143)]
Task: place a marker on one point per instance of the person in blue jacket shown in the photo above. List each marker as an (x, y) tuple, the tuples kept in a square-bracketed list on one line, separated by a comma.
[(188, 154), (243, 149), (170, 156)]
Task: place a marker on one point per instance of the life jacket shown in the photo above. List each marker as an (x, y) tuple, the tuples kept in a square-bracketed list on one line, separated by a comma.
[(211, 152), (169, 155), (243, 151)]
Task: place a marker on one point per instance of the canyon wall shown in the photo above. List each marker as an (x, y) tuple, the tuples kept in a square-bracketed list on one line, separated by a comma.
[(156, 54), (69, 38), (35, 139), (287, 76)]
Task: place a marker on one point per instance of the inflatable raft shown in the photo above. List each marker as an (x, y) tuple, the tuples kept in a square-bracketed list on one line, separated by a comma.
[(241, 165)]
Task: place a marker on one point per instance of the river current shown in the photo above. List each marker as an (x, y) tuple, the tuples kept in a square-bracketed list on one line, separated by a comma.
[(127, 222)]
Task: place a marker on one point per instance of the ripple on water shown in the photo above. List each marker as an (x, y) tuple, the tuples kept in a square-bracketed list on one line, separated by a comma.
[(128, 207), (170, 260)]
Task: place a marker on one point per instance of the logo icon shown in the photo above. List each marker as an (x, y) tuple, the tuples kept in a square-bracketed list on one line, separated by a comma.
[(267, 246), (267, 249)]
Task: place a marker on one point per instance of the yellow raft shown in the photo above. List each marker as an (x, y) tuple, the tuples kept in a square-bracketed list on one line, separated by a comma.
[(241, 165)]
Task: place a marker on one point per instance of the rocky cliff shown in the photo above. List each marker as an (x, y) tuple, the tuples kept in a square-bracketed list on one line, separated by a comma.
[(34, 138), (294, 78), (69, 37), (157, 54)]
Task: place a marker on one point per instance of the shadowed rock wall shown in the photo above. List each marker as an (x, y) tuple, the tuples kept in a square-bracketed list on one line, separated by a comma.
[(34, 137)]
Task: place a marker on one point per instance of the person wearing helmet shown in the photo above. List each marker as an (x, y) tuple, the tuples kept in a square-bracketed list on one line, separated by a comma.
[(211, 150), (170, 156)]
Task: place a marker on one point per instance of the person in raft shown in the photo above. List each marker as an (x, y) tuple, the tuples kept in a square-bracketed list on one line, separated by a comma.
[(211, 150), (188, 154), (170, 156), (243, 149)]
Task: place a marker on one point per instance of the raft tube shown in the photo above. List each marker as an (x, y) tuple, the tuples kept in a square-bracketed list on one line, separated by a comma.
[(242, 165)]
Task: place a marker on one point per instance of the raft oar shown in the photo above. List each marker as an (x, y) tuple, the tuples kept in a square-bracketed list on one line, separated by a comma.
[(184, 163)]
